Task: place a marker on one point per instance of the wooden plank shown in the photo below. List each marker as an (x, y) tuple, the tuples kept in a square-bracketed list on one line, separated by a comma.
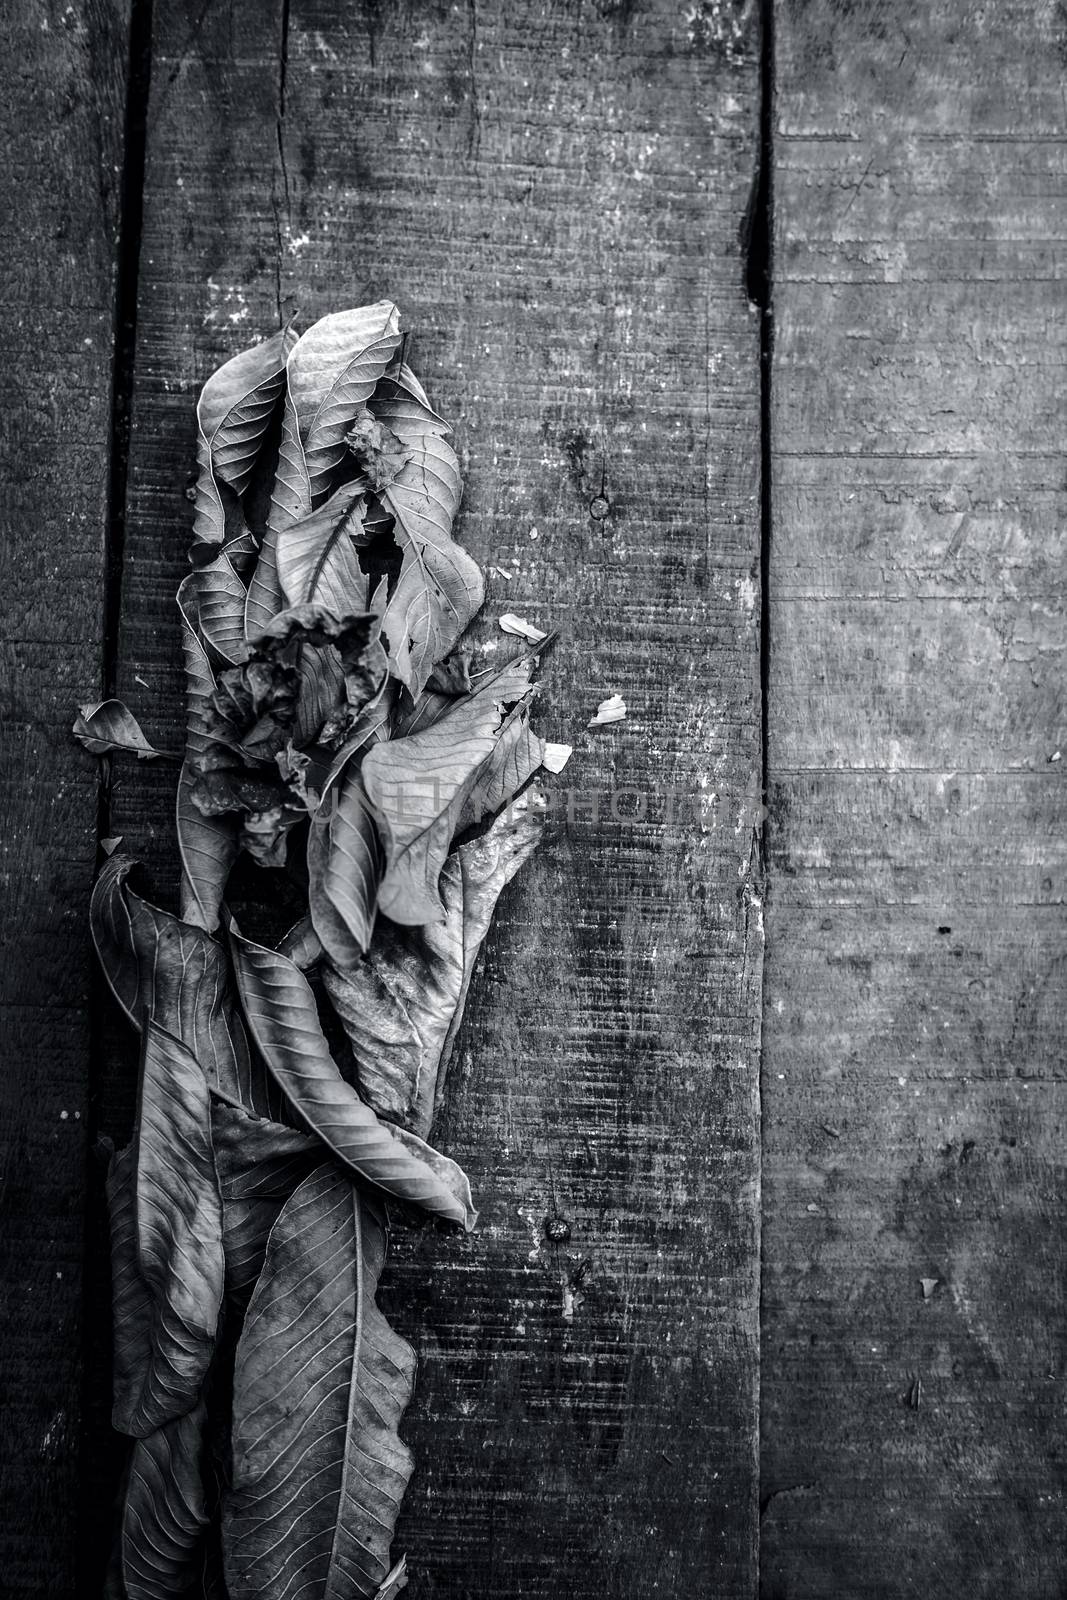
[(61, 127), (913, 1085), (554, 198)]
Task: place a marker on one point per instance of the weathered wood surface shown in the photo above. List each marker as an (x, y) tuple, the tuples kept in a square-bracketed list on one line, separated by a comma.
[(554, 197), (61, 127), (913, 1082)]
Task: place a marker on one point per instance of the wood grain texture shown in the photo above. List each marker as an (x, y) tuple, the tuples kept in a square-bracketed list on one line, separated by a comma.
[(913, 1084), (61, 126), (553, 195)]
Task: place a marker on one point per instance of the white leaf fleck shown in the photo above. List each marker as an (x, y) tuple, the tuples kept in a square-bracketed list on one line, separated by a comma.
[(613, 709)]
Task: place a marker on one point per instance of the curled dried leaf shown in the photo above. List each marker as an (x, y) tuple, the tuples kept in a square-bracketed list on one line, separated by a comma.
[(319, 1372), (377, 449), (106, 726)]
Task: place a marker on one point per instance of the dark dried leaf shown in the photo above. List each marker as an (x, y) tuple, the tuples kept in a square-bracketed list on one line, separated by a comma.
[(178, 974), (401, 1007), (281, 1012), (208, 845), (419, 787), (259, 1164), (105, 726), (167, 1256), (377, 449), (440, 586), (318, 1370), (165, 1511), (453, 675)]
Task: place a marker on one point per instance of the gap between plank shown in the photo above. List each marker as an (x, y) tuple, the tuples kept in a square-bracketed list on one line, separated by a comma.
[(95, 1290)]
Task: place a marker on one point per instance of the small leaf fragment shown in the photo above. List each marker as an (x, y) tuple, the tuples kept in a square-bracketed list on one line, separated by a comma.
[(556, 756), (396, 1580), (522, 629), (613, 709), (106, 726)]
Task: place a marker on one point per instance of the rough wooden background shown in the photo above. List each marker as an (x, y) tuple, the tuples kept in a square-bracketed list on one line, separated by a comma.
[(61, 119), (555, 201), (563, 197), (913, 1065)]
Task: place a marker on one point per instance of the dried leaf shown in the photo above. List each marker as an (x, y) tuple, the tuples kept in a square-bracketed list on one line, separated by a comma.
[(613, 709), (207, 845), (453, 675), (440, 586), (555, 756), (516, 756), (318, 1368), (265, 835), (402, 1006), (377, 449), (166, 1243), (259, 1164), (233, 414), (354, 860), (309, 668), (282, 1015), (104, 726), (522, 629), (333, 371), (386, 1044), (419, 787), (165, 1511), (316, 558), (212, 598), (301, 945), (178, 974), (397, 1580)]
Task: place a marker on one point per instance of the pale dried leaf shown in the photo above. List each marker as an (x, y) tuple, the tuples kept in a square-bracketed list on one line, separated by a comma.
[(316, 558), (233, 414), (613, 709), (522, 629)]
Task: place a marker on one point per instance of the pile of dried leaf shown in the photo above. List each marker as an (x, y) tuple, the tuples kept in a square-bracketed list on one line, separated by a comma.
[(334, 718)]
